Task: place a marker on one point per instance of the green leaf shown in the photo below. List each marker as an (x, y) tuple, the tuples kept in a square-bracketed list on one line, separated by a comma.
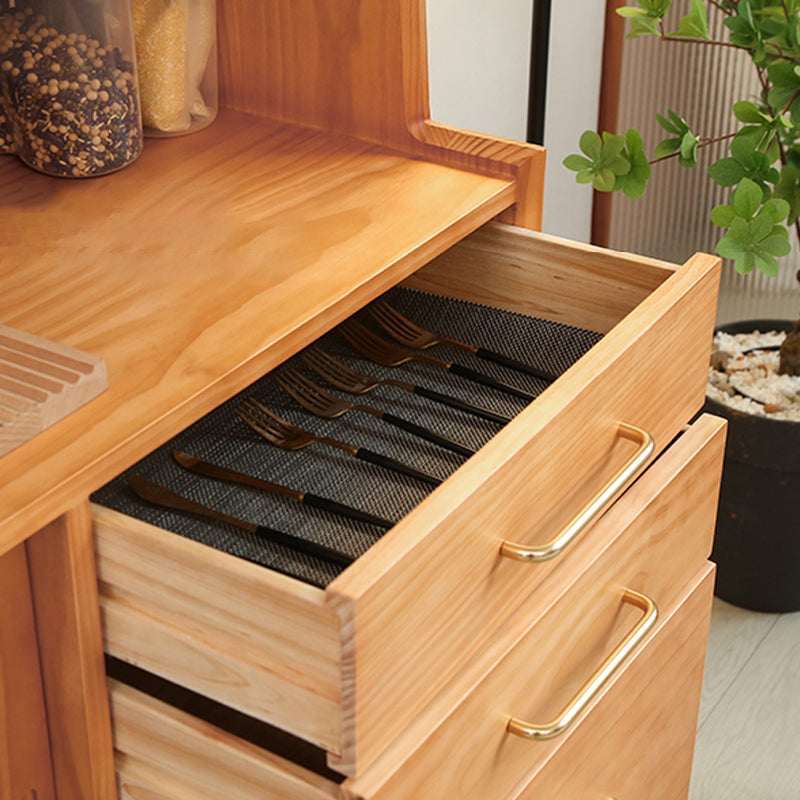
[(643, 26), (695, 24), (723, 216), (631, 11), (776, 210), (667, 125), (747, 198), (576, 162), (766, 264), (666, 148), (785, 89), (634, 182), (689, 144), (604, 180), (776, 245), (591, 144), (728, 247), (788, 190), (726, 171), (749, 112)]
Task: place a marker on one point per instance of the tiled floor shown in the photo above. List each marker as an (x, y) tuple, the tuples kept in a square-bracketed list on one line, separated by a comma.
[(748, 736)]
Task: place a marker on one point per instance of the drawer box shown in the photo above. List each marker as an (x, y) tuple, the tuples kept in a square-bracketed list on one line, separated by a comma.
[(531, 668), (350, 666)]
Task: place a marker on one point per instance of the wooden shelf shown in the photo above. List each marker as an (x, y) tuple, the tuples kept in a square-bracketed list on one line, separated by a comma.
[(199, 267)]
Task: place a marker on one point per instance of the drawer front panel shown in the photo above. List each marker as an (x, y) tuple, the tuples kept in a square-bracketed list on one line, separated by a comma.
[(163, 753), (563, 637), (638, 743), (252, 639)]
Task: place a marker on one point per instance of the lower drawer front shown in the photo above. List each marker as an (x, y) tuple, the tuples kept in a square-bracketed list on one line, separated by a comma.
[(635, 743), (638, 743)]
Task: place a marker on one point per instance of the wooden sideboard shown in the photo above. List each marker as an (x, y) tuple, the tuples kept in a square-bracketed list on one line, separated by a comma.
[(213, 259)]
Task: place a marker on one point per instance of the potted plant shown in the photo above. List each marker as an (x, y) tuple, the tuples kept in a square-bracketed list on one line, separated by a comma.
[(757, 543)]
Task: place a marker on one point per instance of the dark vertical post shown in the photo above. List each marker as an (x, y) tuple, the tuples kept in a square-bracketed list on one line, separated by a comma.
[(537, 88)]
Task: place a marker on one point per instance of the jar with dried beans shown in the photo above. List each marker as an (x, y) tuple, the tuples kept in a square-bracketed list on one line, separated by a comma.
[(69, 98)]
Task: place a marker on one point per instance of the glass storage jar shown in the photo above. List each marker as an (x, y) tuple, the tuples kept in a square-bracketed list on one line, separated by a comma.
[(69, 103), (176, 53)]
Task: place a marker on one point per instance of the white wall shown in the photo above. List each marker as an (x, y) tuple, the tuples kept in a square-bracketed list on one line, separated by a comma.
[(573, 93), (479, 62)]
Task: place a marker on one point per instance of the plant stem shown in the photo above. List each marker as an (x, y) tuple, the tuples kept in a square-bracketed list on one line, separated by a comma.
[(665, 37), (701, 143), (716, 5)]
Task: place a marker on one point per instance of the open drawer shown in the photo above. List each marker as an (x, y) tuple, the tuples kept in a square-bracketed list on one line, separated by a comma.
[(460, 746), (348, 667)]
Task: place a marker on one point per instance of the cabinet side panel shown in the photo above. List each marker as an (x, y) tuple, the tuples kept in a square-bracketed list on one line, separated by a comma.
[(24, 749), (68, 623)]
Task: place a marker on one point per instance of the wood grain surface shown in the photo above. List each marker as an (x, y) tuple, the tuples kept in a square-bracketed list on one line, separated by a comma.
[(248, 637), (360, 69), (166, 754), (64, 586), (25, 765), (543, 276), (224, 253)]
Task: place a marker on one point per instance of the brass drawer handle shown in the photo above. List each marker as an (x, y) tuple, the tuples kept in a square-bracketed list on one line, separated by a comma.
[(595, 507), (590, 689)]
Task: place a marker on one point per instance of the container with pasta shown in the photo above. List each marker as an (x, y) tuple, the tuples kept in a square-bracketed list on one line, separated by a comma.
[(176, 56)]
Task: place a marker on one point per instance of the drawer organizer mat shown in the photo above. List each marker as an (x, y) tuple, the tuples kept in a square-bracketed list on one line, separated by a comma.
[(221, 436)]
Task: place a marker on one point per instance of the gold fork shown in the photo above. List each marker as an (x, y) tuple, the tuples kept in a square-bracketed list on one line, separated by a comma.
[(324, 404), (277, 431), (348, 380), (411, 335), (391, 355)]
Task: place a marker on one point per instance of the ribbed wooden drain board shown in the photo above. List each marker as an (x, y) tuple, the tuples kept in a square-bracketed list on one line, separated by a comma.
[(40, 383)]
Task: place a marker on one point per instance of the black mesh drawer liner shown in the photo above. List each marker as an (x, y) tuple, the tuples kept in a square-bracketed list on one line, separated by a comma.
[(222, 437)]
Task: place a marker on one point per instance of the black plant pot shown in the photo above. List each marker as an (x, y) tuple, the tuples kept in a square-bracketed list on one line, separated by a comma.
[(757, 540)]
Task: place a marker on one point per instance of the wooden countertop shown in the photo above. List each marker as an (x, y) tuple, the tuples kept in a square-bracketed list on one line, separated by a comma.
[(198, 268)]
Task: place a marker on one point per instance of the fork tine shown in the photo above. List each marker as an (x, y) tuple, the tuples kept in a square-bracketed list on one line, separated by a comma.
[(334, 371), (307, 393), (266, 417), (268, 433), (394, 321), (372, 346)]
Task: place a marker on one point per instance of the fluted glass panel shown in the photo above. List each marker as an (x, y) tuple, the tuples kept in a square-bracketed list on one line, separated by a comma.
[(701, 82)]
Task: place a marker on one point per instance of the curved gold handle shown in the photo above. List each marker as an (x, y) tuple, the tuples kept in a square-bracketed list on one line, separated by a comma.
[(595, 507), (590, 689)]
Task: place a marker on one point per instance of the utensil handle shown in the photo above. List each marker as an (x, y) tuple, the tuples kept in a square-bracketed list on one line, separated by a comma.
[(396, 466), (304, 546), (324, 504), (428, 435), (486, 380), (454, 402), (499, 358)]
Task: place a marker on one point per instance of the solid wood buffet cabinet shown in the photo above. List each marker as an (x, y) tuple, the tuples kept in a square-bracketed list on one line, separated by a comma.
[(422, 668)]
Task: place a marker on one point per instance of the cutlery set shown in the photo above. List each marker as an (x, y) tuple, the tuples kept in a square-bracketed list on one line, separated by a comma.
[(411, 340)]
